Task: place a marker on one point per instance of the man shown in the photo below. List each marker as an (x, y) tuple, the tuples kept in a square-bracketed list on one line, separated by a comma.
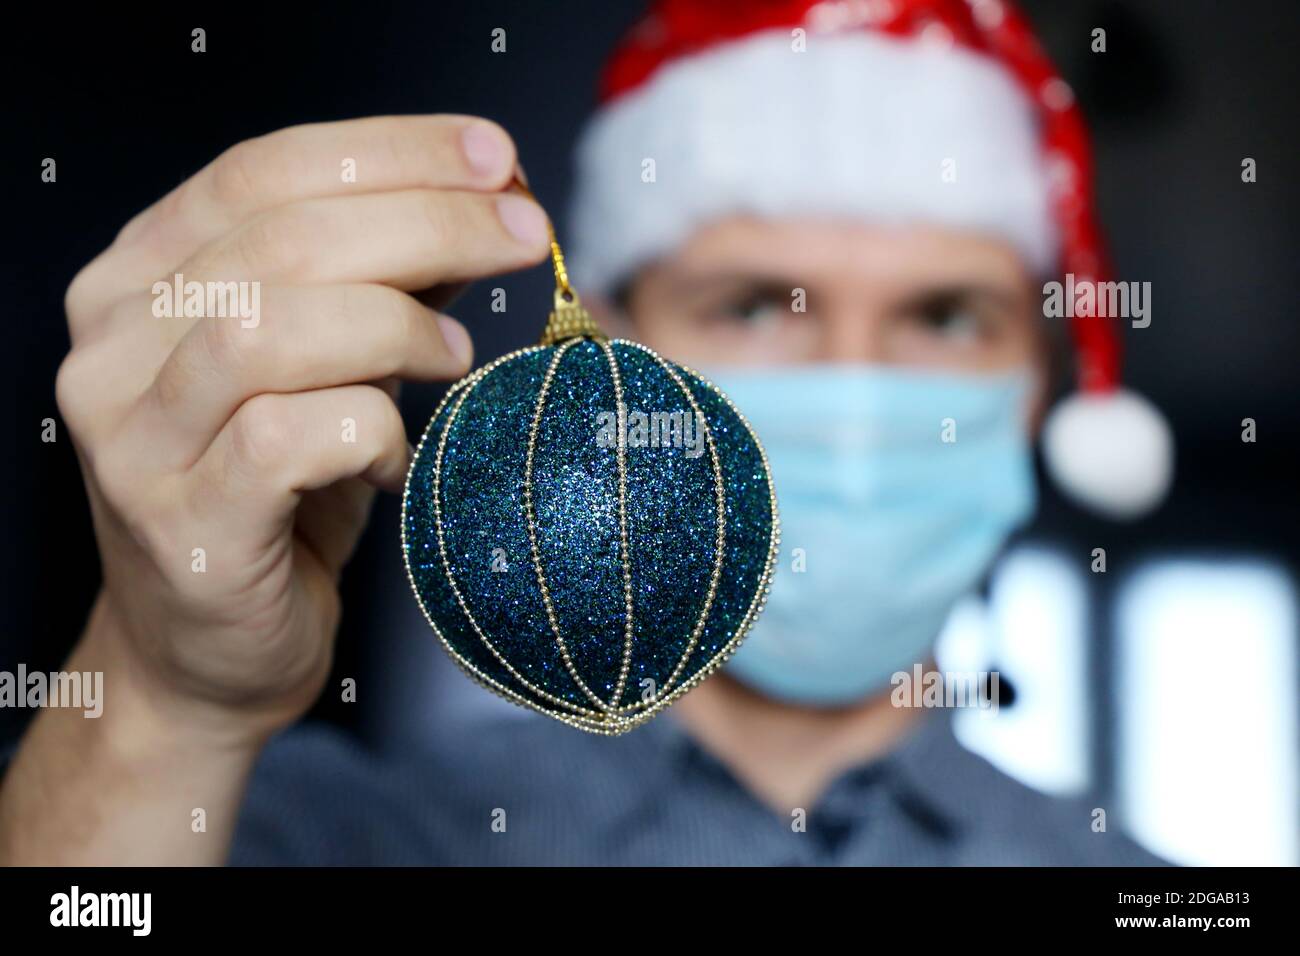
[(906, 171)]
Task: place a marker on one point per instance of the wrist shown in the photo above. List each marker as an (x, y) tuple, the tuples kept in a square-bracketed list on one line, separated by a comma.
[(124, 787), (147, 716)]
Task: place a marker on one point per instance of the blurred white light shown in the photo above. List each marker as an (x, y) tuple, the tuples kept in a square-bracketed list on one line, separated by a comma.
[(1208, 744), (1033, 632)]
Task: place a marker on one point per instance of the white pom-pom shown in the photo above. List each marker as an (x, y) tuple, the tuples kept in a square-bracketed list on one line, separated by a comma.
[(1110, 451)]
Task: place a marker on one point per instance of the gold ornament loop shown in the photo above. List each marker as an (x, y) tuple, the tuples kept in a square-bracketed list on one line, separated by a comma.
[(568, 318)]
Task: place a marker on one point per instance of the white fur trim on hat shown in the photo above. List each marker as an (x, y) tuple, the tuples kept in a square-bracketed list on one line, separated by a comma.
[(1112, 451), (859, 125)]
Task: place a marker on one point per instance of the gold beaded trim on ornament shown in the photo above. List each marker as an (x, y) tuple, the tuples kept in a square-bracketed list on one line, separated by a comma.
[(484, 680), (720, 542), (446, 561), (764, 585), (620, 455), (531, 522), (614, 703)]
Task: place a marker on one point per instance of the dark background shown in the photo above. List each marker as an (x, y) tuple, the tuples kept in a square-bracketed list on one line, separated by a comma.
[(1184, 92)]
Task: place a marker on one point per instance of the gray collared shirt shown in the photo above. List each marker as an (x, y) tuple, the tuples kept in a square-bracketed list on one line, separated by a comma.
[(534, 792)]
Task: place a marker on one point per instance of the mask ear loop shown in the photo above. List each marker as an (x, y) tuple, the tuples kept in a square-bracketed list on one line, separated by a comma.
[(568, 319)]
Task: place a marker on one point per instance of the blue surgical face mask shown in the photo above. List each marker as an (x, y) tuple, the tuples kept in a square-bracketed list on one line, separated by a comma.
[(896, 490)]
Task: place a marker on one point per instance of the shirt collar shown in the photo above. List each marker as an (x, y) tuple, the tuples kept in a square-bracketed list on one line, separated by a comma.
[(935, 776), (929, 774)]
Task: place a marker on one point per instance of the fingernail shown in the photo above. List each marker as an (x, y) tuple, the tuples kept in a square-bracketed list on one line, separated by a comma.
[(523, 218), (519, 171), (486, 148), (457, 339)]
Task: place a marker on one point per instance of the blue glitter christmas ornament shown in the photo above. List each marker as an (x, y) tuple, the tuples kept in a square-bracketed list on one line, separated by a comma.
[(589, 529)]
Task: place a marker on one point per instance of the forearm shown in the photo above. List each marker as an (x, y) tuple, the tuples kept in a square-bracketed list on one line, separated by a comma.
[(122, 788)]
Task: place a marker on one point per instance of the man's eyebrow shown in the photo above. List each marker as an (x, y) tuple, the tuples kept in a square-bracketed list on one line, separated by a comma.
[(740, 279), (686, 285), (956, 292)]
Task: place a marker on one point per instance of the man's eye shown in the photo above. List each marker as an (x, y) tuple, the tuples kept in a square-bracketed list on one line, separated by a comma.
[(756, 310), (953, 321), (746, 311)]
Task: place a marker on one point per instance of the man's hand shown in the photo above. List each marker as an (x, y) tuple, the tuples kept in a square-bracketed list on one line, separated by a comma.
[(230, 465)]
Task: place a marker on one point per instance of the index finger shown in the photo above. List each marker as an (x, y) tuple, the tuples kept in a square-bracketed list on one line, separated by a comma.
[(317, 160)]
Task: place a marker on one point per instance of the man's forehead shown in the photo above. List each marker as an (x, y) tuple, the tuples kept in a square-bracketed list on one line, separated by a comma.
[(812, 251)]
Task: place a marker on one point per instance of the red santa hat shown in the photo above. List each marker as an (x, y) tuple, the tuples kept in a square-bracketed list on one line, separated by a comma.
[(940, 111)]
